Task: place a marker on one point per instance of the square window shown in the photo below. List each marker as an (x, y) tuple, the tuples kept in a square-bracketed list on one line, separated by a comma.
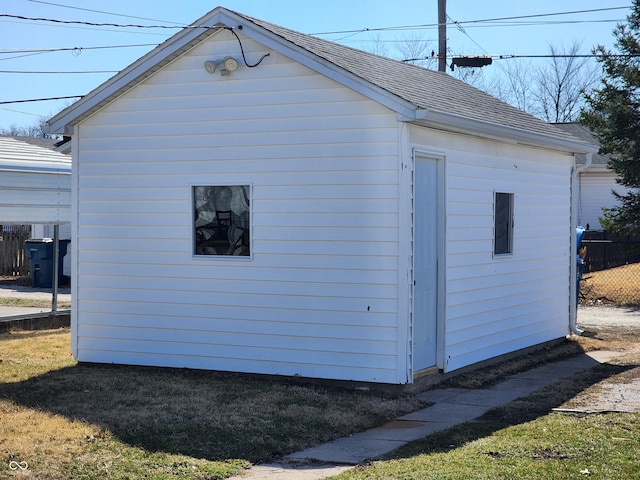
[(221, 220), (503, 224)]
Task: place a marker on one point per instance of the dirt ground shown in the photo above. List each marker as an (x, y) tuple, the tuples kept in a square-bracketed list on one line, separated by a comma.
[(613, 328)]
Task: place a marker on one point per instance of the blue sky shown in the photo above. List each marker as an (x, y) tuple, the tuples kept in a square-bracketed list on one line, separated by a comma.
[(350, 17)]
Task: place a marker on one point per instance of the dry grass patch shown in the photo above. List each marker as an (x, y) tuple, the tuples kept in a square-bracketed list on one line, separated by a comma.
[(69, 420), (32, 302), (615, 285)]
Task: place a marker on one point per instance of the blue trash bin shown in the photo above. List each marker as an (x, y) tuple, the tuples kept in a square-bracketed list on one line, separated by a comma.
[(579, 261), (40, 254)]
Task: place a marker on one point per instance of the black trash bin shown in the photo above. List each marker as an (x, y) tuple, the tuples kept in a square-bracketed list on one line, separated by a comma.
[(40, 254)]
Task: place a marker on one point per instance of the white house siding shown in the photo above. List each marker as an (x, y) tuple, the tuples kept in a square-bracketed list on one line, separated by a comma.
[(596, 185), (318, 297), (27, 197), (498, 305), (35, 184)]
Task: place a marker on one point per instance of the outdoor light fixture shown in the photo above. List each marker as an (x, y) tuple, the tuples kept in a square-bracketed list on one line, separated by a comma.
[(210, 67), (228, 65)]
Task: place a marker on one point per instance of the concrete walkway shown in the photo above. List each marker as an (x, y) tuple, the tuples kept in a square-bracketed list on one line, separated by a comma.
[(30, 293), (451, 406)]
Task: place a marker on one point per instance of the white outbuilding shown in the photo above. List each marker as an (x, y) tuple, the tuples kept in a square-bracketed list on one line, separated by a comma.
[(35, 186), (253, 199)]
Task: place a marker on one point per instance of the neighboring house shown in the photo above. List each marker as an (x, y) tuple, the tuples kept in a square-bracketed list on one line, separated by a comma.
[(35, 184), (35, 187), (40, 230), (260, 200), (596, 182)]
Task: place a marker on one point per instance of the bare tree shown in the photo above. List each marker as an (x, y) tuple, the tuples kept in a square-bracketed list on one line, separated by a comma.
[(378, 47), (562, 83), (36, 129), (514, 85), (417, 51), (553, 91), (13, 130)]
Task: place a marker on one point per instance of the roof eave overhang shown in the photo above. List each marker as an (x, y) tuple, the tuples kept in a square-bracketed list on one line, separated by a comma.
[(461, 124)]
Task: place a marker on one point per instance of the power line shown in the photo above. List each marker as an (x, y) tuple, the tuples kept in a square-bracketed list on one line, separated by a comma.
[(98, 24), (405, 27), (545, 15), (72, 49), (53, 72), (20, 111), (39, 99), (103, 12), (589, 55), (139, 32), (558, 55), (434, 25)]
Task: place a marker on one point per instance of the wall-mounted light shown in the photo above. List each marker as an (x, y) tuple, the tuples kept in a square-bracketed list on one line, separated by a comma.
[(227, 65), (210, 67)]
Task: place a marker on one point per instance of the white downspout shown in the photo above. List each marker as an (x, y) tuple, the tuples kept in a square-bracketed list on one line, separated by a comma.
[(575, 185)]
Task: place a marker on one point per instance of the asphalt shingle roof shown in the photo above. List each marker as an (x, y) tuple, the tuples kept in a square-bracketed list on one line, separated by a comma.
[(424, 88), (583, 133)]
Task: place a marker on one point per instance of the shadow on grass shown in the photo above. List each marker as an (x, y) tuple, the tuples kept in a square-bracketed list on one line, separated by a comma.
[(517, 412), (206, 415)]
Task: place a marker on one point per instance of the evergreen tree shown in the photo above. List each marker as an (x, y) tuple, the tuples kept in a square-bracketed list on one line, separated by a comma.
[(613, 113)]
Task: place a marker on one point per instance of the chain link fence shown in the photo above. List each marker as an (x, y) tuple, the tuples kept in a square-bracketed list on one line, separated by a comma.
[(612, 271)]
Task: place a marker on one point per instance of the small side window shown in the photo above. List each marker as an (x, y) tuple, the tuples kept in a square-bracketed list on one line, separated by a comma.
[(221, 220), (503, 224)]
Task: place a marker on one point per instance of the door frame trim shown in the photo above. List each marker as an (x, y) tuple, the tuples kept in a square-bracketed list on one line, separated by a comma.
[(441, 226)]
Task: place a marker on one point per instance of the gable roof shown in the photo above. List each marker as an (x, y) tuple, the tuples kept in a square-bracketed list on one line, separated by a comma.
[(415, 93)]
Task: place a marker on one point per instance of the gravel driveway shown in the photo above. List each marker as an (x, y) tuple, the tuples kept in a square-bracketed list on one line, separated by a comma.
[(609, 316), (623, 393)]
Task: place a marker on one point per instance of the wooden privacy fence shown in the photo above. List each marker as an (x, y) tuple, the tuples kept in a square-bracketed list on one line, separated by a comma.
[(13, 258)]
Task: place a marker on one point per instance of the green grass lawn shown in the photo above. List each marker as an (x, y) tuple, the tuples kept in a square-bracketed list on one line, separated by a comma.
[(554, 446), (527, 439), (81, 421)]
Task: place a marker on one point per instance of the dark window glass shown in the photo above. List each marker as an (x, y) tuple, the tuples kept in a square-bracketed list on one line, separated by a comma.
[(222, 220), (503, 229)]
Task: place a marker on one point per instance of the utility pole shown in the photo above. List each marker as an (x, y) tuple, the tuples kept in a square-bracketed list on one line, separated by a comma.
[(442, 35)]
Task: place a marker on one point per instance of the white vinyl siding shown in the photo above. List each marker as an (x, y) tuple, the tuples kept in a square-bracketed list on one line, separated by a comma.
[(319, 295), (595, 193), (35, 184), (495, 307)]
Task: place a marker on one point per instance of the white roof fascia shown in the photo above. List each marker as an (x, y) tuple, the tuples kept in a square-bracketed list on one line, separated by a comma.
[(505, 133), (35, 168), (142, 68)]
